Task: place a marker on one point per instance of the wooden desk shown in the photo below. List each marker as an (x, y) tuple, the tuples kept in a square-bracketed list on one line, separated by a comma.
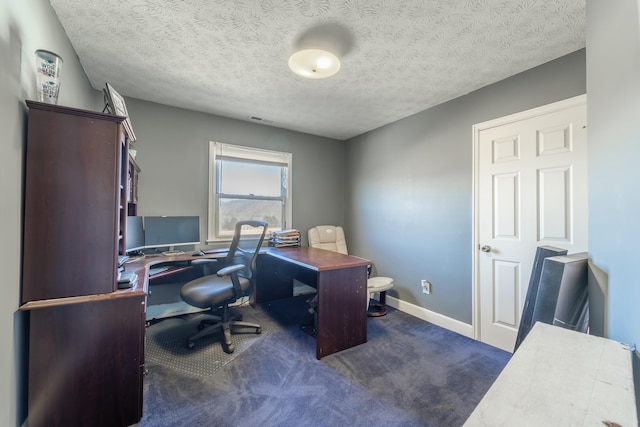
[(341, 282), (86, 353)]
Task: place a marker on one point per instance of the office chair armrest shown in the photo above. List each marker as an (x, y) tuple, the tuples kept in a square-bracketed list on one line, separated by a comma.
[(230, 269), (232, 272)]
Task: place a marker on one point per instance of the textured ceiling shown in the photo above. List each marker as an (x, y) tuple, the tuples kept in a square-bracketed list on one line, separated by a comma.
[(399, 57)]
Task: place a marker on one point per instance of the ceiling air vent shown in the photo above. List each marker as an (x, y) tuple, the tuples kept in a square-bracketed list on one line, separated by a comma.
[(260, 120)]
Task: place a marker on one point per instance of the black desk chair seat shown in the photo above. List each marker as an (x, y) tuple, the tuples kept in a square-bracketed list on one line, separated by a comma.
[(216, 291)]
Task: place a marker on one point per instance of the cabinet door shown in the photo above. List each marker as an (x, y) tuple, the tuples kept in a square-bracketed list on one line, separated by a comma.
[(72, 203), (85, 363)]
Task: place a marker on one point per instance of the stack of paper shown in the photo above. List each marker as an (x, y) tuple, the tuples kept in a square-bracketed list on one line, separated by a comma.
[(283, 238)]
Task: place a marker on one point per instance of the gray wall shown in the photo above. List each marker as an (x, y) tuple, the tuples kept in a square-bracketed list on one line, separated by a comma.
[(173, 154), (430, 159), (613, 62), (25, 25), (409, 186)]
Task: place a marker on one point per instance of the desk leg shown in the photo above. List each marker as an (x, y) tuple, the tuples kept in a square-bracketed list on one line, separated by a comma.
[(342, 317)]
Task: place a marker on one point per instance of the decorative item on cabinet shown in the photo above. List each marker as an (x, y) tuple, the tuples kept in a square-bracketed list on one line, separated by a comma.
[(114, 103), (48, 67)]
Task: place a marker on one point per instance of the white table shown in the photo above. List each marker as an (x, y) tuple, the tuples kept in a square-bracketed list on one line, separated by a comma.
[(559, 377)]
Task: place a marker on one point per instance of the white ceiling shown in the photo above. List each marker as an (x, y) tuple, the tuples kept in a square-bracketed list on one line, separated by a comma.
[(399, 57)]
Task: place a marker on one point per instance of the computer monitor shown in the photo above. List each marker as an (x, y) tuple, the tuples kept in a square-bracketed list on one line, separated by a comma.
[(134, 237), (170, 231)]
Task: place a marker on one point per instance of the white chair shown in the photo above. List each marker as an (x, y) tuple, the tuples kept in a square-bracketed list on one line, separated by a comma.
[(331, 238)]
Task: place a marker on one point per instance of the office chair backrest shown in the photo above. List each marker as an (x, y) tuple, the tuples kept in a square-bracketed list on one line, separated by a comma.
[(245, 246), (329, 237)]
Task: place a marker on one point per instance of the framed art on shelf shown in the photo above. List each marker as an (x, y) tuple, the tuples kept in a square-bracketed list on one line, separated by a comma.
[(117, 106)]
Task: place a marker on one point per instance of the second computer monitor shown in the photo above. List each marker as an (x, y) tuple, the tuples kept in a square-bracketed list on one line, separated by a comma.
[(170, 231)]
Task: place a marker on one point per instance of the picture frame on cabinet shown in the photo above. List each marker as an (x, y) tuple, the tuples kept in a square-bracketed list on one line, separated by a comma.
[(115, 103)]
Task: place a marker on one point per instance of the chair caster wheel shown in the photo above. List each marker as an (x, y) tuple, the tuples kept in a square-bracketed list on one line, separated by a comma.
[(229, 348), (258, 331), (190, 344)]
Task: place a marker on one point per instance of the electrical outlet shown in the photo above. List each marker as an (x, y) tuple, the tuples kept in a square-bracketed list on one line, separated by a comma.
[(426, 287)]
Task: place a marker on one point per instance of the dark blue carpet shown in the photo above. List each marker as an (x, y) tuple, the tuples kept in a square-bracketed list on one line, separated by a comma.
[(409, 373)]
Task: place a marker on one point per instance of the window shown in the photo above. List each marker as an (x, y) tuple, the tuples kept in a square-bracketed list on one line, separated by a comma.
[(247, 184)]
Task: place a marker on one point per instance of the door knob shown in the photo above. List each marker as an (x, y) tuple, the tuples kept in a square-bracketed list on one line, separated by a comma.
[(486, 248)]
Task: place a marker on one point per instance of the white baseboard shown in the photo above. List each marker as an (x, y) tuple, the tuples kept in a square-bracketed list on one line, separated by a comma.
[(431, 317)]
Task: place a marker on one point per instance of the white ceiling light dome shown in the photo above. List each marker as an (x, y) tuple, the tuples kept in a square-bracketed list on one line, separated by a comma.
[(314, 63)]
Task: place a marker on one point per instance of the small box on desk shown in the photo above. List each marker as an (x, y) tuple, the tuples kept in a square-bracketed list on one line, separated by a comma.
[(126, 279)]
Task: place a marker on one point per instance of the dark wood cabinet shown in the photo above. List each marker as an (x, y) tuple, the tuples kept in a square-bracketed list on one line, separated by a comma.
[(86, 337), (75, 202)]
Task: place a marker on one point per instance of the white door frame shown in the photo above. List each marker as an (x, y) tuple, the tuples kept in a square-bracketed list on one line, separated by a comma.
[(477, 128)]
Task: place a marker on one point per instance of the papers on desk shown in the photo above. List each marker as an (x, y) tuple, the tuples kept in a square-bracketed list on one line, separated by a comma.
[(284, 238)]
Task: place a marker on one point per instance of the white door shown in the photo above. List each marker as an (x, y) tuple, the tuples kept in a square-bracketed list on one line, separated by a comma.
[(530, 190)]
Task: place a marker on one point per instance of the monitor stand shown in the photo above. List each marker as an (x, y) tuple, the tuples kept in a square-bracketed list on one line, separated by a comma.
[(172, 252)]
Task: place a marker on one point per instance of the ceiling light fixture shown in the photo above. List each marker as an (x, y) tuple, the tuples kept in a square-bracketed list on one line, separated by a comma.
[(314, 63)]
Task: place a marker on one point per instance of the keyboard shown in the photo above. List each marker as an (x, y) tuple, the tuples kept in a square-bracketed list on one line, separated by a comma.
[(157, 270)]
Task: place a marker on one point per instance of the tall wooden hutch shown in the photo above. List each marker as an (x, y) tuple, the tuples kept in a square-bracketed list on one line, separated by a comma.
[(86, 337)]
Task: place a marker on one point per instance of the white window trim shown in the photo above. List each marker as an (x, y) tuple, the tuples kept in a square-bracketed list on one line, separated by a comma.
[(248, 153)]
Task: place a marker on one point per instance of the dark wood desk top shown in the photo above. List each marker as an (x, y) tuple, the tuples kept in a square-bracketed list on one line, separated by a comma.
[(317, 259), (311, 258), (140, 266)]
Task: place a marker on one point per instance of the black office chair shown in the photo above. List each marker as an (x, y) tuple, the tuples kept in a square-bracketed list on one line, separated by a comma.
[(233, 281)]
